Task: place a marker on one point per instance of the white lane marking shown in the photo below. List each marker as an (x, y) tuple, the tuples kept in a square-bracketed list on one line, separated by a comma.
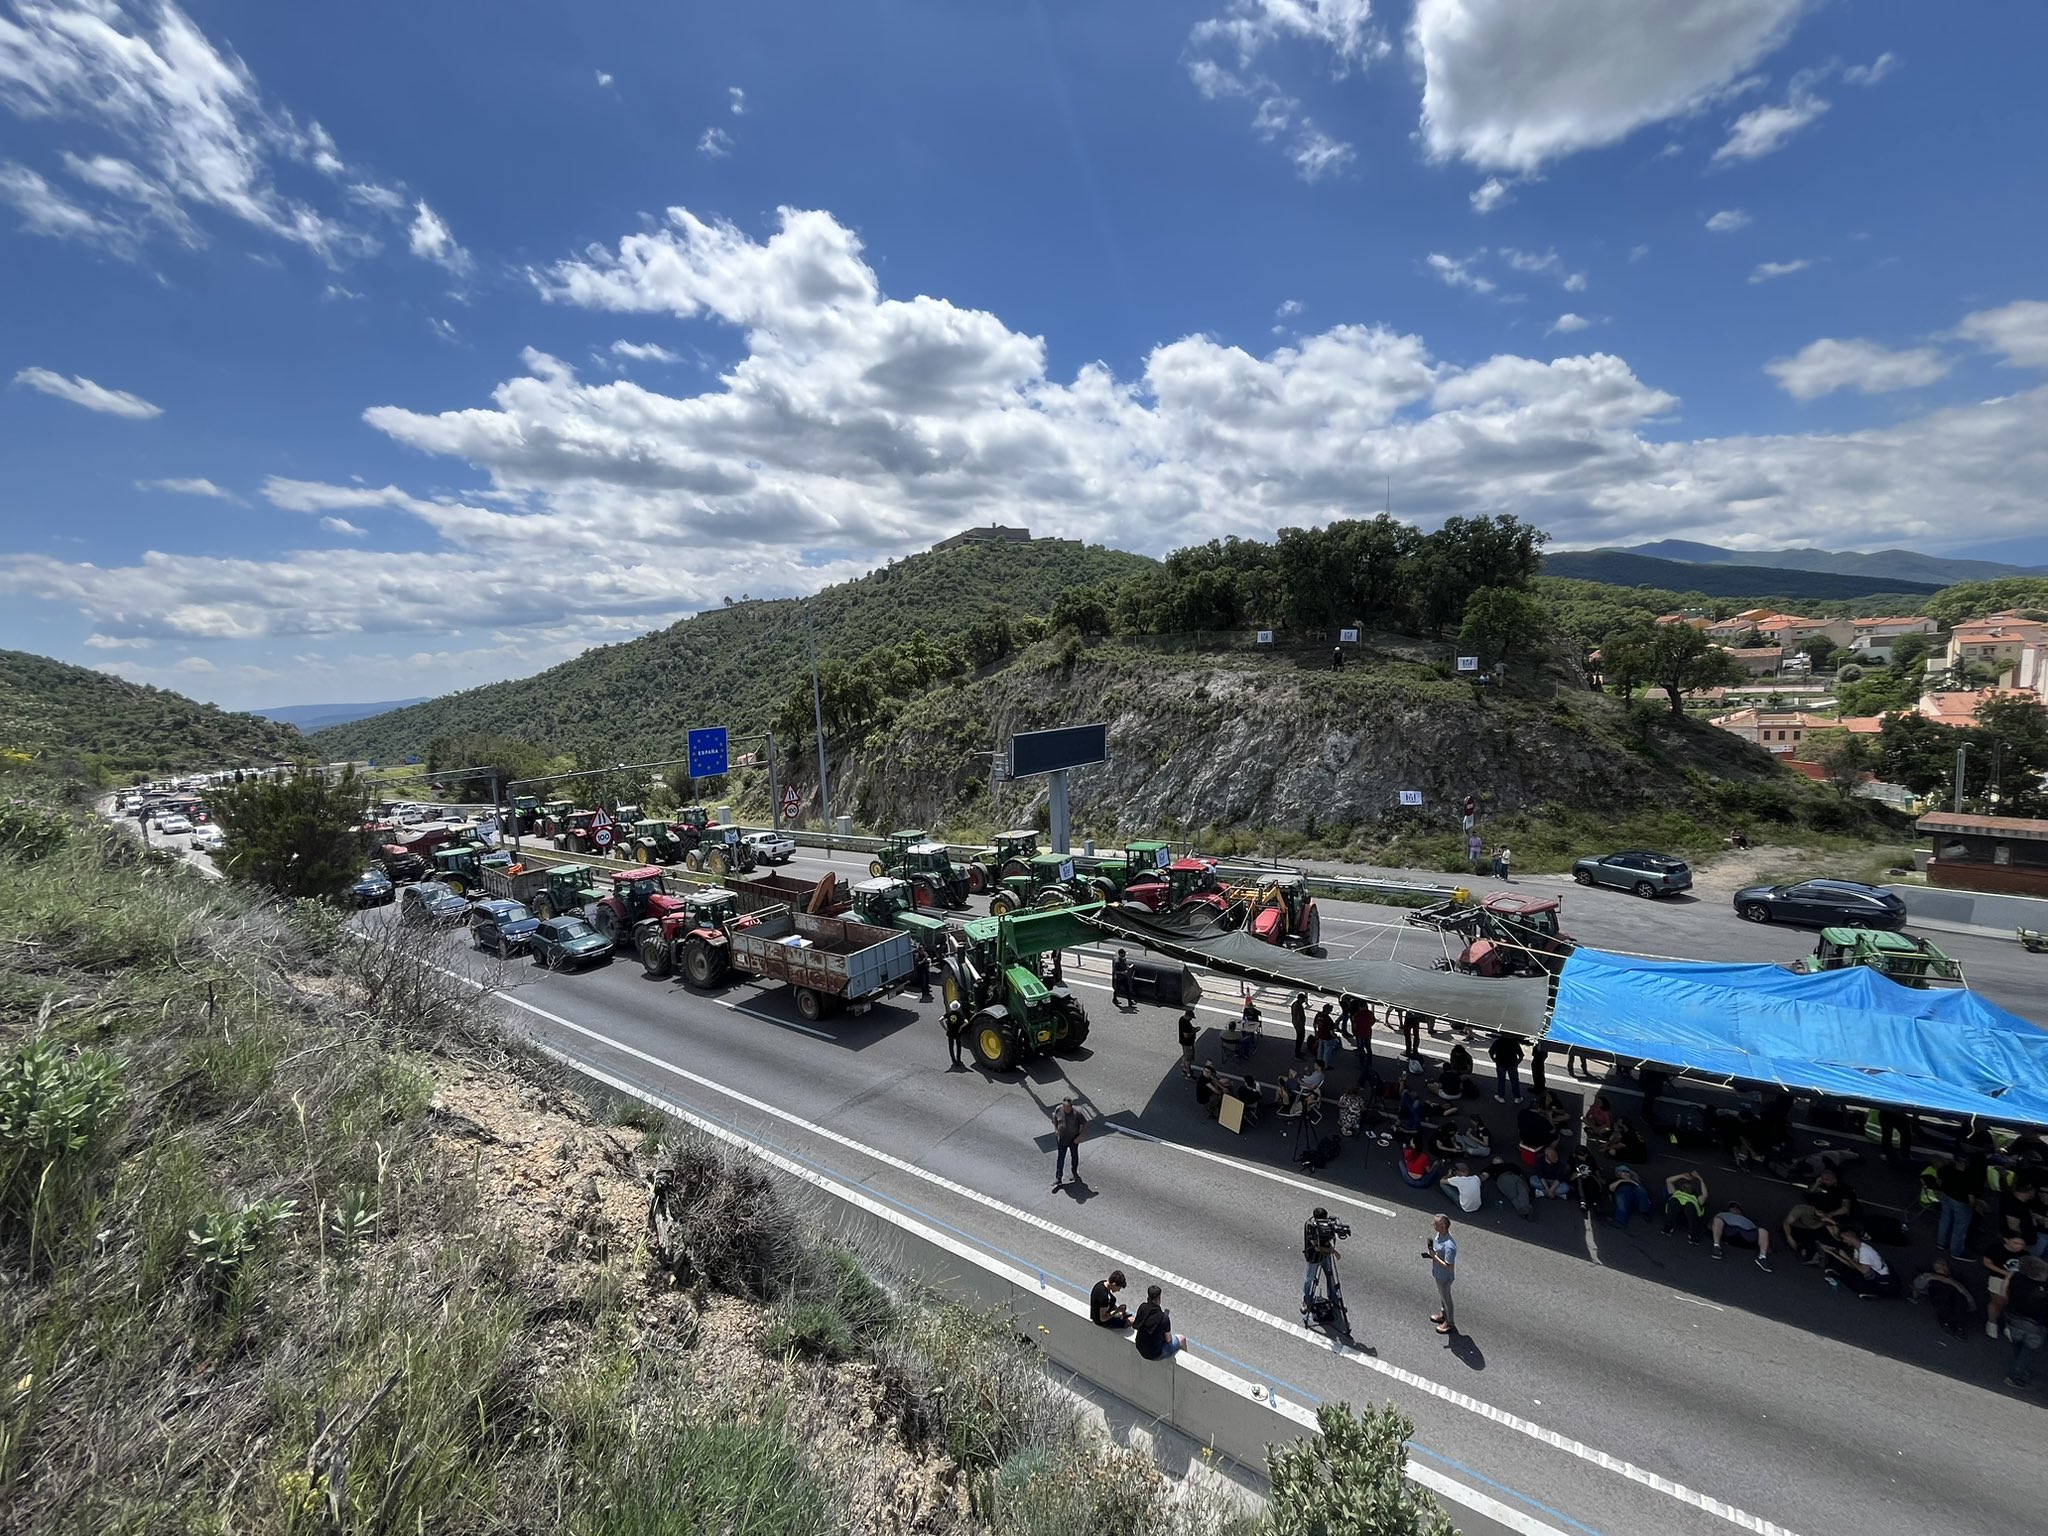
[(1420, 1383), (1697, 1302)]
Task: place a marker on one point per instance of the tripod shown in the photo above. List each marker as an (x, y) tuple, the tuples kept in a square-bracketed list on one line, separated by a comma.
[(1327, 1311)]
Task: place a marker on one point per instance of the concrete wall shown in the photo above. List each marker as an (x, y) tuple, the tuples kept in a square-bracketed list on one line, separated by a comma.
[(1973, 909), (1237, 1417)]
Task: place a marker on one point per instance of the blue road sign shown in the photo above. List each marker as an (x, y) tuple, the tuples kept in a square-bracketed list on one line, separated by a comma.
[(707, 752)]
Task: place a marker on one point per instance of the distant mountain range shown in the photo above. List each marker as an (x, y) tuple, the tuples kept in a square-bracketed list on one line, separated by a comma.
[(1888, 565), (1628, 568), (317, 717)]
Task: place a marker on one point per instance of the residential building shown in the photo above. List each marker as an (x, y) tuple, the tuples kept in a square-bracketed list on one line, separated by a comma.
[(1994, 641), (1790, 631), (1958, 706), (1891, 629), (1759, 660), (1741, 624), (1694, 620), (1777, 731), (2007, 854), (2031, 673)]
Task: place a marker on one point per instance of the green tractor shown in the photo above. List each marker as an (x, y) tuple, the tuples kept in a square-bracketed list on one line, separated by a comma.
[(526, 813), (935, 879), (1048, 881), (1906, 958), (1015, 1011), (886, 902), (889, 856), (461, 867), (718, 852), (1141, 862), (655, 841), (1008, 857), (549, 819), (567, 889)]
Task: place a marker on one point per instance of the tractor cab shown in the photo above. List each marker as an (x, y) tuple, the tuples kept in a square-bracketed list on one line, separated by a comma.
[(1906, 958), (694, 817), (934, 878), (713, 907), (461, 868), (566, 890), (634, 888), (525, 812), (626, 815), (1142, 856), (1020, 843), (1052, 869), (1282, 912), (654, 841), (877, 901), (897, 845), (1529, 918)]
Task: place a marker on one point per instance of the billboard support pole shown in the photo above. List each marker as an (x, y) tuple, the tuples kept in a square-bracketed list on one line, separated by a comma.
[(1057, 786)]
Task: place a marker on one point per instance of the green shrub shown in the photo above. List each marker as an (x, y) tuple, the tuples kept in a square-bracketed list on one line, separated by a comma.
[(1350, 1479), (813, 1329), (29, 831), (56, 1107)]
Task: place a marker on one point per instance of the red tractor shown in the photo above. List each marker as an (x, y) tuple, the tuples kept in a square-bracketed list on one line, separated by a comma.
[(637, 896), (1507, 934), (412, 857), (691, 934), (1183, 883)]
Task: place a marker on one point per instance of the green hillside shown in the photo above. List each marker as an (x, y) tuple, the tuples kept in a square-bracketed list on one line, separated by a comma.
[(1619, 568), (52, 711), (731, 666)]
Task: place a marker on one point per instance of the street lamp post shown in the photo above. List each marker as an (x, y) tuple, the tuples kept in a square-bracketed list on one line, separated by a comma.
[(1962, 763)]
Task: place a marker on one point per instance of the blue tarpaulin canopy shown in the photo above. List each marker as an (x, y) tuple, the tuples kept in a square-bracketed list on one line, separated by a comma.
[(1851, 1033)]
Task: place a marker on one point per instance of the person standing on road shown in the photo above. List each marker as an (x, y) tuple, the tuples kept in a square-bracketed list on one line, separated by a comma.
[(956, 1030), (1120, 982), (923, 974), (1441, 1250), (1069, 1125), (1297, 1012), (1539, 1053), (1188, 1033), (1506, 1052), (1474, 850)]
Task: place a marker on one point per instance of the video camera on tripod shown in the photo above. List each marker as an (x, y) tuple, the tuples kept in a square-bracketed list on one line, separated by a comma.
[(1321, 1233)]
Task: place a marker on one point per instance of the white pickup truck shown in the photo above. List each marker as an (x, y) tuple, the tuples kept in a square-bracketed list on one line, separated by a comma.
[(771, 847)]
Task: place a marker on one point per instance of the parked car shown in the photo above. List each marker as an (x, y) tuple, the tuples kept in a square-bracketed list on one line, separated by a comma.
[(174, 826), (1822, 904), (502, 927), (209, 839), (1646, 874), (771, 847), (373, 888), (565, 942), (429, 901)]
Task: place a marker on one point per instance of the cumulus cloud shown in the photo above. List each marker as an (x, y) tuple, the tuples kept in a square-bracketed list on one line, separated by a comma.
[(195, 487), (855, 426), (196, 129), (431, 240), (94, 397), (644, 352), (604, 81), (2018, 332), (1764, 271), (1509, 85), (715, 144), (1828, 365), (1727, 221), (1490, 194), (1765, 130), (1566, 323), (1248, 27)]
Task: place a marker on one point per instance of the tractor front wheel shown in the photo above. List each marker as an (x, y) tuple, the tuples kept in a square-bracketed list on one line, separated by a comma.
[(1102, 889), (996, 1042), (606, 922), (693, 860), (877, 869), (543, 908), (656, 958), (1052, 897), (703, 964), (1077, 1029), (1002, 904), (718, 864), (456, 883)]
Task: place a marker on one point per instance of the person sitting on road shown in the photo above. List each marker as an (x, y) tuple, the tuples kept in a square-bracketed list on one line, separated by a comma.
[(1410, 1117), (1253, 1093), (1628, 1196), (1534, 1130), (1476, 1140), (1461, 1058), (1805, 1229), (1511, 1186), (1461, 1186), (1444, 1142), (1588, 1187), (1599, 1118), (1730, 1223), (1311, 1096), (1685, 1199), (1233, 1039), (1156, 1338), (1949, 1297), (1351, 1113), (1104, 1310), (1832, 1196), (1450, 1085), (1852, 1263), (1209, 1088), (1550, 1179), (1418, 1169), (1625, 1141), (2026, 1320)]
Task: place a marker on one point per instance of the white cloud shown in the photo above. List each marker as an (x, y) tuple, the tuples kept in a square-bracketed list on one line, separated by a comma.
[(1764, 271), (1511, 84), (1490, 194), (342, 526), (1289, 308), (444, 329), (1828, 365), (154, 203), (1546, 264), (384, 199), (1245, 31), (1871, 73), (604, 81), (336, 291), (1566, 323), (191, 116), (854, 427), (1316, 155), (644, 352), (47, 211), (716, 143), (177, 487), (431, 240), (1765, 130), (1638, 252), (1459, 274), (94, 397), (2018, 331), (1728, 220), (737, 100)]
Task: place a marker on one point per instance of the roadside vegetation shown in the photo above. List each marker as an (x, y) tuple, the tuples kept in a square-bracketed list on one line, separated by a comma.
[(294, 1240)]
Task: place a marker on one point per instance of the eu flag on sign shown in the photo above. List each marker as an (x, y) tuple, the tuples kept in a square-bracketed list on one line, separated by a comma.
[(707, 752)]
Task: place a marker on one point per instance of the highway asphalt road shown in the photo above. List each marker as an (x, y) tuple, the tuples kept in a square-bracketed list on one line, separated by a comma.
[(1622, 1383)]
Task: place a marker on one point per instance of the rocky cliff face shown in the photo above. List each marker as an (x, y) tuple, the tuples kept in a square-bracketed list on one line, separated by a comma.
[(1260, 741)]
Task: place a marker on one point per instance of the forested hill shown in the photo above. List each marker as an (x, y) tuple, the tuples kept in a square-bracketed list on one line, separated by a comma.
[(55, 712), (1620, 568), (732, 666)]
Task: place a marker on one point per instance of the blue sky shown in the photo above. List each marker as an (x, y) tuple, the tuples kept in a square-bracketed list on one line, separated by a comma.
[(371, 351)]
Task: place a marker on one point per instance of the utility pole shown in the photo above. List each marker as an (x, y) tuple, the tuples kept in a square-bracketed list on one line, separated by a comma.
[(818, 715), (1962, 762)]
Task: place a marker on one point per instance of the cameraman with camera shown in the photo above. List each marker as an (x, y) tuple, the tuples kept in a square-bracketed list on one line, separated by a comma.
[(1320, 1235)]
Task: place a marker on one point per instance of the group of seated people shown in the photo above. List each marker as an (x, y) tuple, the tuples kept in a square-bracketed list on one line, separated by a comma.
[(1302, 1091), (1152, 1323)]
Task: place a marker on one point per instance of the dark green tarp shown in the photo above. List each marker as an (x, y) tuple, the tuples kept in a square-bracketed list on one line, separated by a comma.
[(1517, 1004)]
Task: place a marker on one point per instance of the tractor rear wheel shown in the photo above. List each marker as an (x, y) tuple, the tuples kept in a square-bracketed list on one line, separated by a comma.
[(1012, 868), (718, 863), (456, 883), (1002, 904), (543, 908), (1053, 896), (1104, 890), (953, 982), (703, 965), (1077, 1029), (1312, 928), (693, 860), (922, 892), (606, 922), (995, 1039), (656, 958), (877, 869), (977, 878)]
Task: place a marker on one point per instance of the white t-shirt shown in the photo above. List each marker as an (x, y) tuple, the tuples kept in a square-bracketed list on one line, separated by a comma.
[(1467, 1187), (1867, 1256)]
